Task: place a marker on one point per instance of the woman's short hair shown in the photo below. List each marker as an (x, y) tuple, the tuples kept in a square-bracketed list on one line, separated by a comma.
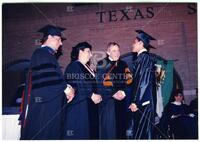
[(77, 48)]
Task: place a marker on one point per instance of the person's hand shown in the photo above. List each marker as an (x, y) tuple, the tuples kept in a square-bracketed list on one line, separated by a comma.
[(191, 115), (175, 116), (70, 97), (119, 95), (96, 98), (70, 93), (133, 107)]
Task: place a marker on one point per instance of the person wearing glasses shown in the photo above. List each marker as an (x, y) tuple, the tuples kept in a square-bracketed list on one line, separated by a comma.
[(81, 120)]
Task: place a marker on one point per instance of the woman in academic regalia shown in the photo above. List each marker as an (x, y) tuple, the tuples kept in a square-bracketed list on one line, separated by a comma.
[(178, 118), (81, 120)]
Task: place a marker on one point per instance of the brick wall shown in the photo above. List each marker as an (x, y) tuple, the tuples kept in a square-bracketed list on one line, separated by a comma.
[(173, 25)]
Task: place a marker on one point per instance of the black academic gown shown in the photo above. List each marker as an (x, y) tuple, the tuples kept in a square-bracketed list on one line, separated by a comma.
[(81, 121), (143, 95), (177, 118), (44, 112), (113, 113)]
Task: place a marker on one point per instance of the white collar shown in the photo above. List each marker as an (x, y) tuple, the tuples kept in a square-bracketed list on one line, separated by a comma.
[(176, 103), (43, 45), (110, 58), (141, 51)]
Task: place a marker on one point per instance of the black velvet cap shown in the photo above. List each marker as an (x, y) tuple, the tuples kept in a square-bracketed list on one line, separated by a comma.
[(79, 46), (145, 38), (52, 30)]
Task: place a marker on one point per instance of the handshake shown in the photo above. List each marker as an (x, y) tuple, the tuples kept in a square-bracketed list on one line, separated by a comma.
[(119, 95), (96, 98), (133, 107), (70, 93)]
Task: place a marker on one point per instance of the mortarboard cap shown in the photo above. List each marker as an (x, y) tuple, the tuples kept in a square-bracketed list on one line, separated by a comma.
[(150, 46), (145, 38), (52, 30), (82, 45), (79, 46)]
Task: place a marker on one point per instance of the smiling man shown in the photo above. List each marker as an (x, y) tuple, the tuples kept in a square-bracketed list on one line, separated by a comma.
[(113, 78)]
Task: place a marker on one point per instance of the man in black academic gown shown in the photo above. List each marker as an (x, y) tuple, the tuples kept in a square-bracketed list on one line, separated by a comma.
[(113, 78), (45, 90), (144, 88)]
